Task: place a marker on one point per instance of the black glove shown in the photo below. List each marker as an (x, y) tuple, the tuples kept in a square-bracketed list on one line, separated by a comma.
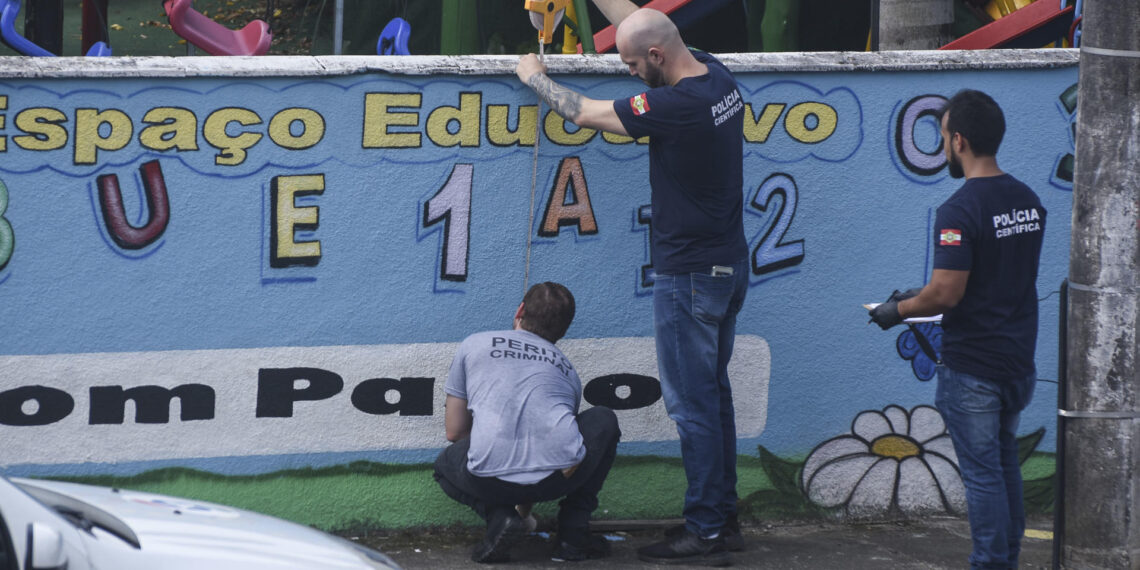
[(886, 315), (909, 293)]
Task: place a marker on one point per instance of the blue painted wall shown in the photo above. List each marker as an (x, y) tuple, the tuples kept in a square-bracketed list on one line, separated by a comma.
[(843, 171)]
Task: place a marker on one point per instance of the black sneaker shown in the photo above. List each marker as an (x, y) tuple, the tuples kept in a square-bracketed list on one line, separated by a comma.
[(733, 540), (505, 529), (687, 548), (586, 549)]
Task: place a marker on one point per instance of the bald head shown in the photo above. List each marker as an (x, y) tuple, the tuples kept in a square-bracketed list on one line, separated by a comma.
[(647, 28)]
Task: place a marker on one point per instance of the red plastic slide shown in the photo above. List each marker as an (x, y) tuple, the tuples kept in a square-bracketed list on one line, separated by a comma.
[(1030, 27), (604, 40)]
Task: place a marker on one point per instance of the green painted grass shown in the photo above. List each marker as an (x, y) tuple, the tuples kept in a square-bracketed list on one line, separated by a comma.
[(372, 495)]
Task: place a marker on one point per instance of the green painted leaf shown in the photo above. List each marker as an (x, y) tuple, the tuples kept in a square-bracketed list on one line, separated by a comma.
[(1039, 495), (781, 473), (1026, 444)]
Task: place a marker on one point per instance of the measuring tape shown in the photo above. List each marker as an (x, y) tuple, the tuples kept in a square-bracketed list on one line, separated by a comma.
[(545, 15)]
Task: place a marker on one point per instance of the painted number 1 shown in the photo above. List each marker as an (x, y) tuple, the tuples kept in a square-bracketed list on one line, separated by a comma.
[(452, 206), (7, 239), (773, 253)]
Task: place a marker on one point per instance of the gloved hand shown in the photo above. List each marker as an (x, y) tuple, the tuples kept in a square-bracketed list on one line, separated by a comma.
[(906, 294), (886, 315)]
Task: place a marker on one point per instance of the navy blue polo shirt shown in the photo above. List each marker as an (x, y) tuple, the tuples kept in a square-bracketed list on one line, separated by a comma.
[(696, 168), (992, 227)]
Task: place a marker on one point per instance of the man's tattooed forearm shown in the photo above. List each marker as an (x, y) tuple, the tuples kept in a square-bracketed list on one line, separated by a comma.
[(565, 102)]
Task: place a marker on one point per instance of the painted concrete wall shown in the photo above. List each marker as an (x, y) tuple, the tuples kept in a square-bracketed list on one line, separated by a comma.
[(215, 270)]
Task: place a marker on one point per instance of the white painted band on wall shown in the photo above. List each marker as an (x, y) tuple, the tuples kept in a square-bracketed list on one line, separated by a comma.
[(242, 422)]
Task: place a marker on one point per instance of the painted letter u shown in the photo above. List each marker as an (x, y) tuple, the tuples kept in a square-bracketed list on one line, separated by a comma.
[(115, 216)]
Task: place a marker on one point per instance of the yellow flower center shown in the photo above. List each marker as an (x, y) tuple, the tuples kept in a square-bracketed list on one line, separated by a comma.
[(894, 446)]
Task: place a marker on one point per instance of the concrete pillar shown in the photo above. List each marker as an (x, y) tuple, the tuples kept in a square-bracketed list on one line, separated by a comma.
[(1101, 457), (915, 24)]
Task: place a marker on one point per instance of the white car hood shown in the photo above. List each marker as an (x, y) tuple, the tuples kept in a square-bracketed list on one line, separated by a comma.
[(201, 535)]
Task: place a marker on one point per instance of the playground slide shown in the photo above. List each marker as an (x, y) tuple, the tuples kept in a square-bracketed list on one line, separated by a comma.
[(1030, 27), (683, 13), (214, 38)]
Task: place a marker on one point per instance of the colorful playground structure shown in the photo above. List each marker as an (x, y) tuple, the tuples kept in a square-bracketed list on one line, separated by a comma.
[(1015, 24), (10, 9), (213, 37), (1023, 24), (196, 28)]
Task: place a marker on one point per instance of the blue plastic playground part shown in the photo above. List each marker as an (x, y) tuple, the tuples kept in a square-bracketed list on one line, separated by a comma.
[(394, 38), (1077, 25), (9, 9), (99, 49)]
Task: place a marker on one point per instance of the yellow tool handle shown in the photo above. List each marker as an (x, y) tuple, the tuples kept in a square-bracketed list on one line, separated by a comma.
[(548, 10)]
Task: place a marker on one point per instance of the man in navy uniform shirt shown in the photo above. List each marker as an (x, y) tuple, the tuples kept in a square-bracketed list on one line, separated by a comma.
[(987, 245), (693, 115)]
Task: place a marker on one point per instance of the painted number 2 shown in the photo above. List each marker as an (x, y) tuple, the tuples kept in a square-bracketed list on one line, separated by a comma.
[(452, 206), (773, 253)]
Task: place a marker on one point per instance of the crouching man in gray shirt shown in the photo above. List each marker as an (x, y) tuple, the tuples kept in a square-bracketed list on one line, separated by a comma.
[(512, 411)]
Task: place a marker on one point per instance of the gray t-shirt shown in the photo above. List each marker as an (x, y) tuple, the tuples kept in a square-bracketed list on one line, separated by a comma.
[(523, 395)]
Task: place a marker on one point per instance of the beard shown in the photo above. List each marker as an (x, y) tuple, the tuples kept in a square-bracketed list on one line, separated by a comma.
[(653, 77), (955, 166)]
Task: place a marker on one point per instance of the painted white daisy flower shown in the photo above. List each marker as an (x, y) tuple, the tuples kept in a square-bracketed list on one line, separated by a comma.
[(891, 460)]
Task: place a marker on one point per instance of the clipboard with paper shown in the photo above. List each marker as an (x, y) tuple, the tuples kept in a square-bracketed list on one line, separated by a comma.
[(923, 342), (912, 320)]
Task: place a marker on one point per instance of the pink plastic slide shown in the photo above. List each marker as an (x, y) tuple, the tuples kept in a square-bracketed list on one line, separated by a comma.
[(214, 38)]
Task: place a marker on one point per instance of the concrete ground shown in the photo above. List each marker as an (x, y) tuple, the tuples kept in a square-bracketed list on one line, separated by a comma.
[(928, 544)]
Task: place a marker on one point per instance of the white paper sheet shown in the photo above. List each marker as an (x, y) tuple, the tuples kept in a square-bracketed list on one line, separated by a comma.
[(934, 319)]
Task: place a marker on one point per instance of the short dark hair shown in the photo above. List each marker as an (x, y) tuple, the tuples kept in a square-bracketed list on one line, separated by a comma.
[(548, 309), (978, 118)]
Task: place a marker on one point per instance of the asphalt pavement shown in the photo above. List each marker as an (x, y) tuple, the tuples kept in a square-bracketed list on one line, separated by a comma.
[(932, 543)]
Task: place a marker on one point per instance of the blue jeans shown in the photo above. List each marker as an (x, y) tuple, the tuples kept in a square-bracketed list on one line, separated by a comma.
[(982, 416), (694, 317)]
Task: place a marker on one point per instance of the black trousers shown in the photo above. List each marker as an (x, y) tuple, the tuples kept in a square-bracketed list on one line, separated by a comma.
[(579, 492)]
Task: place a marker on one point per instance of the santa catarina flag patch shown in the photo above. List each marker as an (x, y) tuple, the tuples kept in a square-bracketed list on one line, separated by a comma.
[(639, 104), (950, 237)]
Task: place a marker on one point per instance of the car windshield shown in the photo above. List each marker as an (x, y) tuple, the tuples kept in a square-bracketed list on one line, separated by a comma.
[(83, 515), (7, 555)]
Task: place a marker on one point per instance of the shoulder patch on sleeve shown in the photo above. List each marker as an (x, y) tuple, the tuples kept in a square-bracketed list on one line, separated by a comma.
[(950, 237), (639, 104)]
